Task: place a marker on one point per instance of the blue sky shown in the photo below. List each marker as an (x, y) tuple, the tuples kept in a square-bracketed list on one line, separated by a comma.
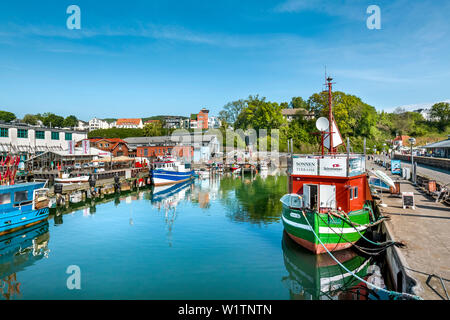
[(142, 58)]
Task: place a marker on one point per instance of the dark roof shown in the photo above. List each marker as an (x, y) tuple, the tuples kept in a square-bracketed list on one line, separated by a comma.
[(439, 144)]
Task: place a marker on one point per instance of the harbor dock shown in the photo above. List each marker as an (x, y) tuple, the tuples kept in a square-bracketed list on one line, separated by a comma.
[(422, 266)]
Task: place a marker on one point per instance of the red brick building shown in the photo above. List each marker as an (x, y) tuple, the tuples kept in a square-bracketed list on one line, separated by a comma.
[(202, 119), (159, 151), (116, 146)]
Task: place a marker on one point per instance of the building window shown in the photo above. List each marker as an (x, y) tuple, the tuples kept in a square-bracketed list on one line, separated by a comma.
[(68, 136), (4, 132), (55, 135), (145, 152), (40, 135), (22, 133)]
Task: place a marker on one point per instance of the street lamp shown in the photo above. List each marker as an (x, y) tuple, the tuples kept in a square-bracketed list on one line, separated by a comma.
[(412, 142), (384, 156)]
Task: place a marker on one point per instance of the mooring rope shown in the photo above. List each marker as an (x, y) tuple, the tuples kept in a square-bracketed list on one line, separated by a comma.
[(378, 221), (370, 285), (376, 251)]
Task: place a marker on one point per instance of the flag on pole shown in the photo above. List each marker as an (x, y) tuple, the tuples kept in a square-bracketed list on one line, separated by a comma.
[(71, 146), (86, 146)]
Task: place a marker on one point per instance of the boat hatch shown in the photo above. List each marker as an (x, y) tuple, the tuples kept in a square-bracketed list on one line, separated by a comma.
[(292, 200)]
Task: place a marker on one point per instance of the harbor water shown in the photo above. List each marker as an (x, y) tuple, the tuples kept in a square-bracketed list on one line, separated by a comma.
[(216, 238)]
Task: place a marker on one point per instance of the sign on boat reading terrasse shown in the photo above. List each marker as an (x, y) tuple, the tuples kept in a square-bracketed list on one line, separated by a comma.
[(304, 166), (333, 167)]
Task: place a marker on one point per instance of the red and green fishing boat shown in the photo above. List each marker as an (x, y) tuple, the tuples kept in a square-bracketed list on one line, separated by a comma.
[(329, 205)]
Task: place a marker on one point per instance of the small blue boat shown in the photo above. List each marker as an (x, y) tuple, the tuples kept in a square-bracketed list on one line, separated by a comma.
[(22, 205), (169, 171)]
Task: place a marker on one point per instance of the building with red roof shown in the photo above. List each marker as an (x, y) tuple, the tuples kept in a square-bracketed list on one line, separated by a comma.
[(116, 146), (129, 123)]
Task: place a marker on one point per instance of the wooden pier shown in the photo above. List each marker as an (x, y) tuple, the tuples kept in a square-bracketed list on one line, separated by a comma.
[(106, 183)]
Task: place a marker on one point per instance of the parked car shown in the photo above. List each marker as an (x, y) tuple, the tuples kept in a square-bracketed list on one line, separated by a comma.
[(85, 165), (77, 166)]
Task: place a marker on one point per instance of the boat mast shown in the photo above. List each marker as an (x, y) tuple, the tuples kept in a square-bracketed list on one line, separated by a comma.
[(330, 115)]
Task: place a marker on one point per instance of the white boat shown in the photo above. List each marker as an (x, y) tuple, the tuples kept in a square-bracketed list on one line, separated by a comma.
[(67, 178), (384, 178), (170, 171)]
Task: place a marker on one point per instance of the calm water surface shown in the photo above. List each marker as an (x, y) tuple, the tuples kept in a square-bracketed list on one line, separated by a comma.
[(210, 239)]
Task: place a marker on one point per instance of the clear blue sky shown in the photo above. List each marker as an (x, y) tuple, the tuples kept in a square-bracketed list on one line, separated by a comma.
[(142, 58)]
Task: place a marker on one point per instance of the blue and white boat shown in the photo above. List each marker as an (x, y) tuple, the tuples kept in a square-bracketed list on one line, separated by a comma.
[(170, 171), (22, 205)]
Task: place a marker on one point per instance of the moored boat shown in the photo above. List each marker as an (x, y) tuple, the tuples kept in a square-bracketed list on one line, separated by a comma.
[(170, 171), (329, 206), (22, 205), (69, 178)]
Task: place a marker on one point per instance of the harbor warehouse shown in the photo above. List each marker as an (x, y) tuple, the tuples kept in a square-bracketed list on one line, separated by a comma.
[(440, 149), (28, 141)]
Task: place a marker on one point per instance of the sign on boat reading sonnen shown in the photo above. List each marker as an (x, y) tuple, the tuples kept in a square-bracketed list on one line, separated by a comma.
[(304, 166)]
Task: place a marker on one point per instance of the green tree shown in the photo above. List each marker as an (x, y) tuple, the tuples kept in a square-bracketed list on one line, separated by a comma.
[(231, 111), (70, 121), (7, 116), (440, 112), (30, 119), (353, 116), (116, 133), (153, 129), (260, 114), (51, 119), (298, 103)]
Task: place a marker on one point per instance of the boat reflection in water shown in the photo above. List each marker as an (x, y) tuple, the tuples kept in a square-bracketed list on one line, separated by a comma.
[(319, 277), (166, 198), (19, 250)]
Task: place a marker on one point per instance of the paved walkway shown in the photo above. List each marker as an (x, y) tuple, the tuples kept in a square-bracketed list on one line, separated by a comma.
[(426, 232), (440, 175)]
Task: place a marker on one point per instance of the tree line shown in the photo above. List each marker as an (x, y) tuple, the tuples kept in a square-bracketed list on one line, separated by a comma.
[(48, 119), (355, 119)]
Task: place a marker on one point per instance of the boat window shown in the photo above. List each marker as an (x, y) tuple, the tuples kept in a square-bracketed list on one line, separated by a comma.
[(5, 198), (296, 202), (20, 196), (353, 193)]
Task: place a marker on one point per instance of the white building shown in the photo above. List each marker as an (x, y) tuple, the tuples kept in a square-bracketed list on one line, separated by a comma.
[(26, 140), (95, 124), (82, 125), (214, 122)]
